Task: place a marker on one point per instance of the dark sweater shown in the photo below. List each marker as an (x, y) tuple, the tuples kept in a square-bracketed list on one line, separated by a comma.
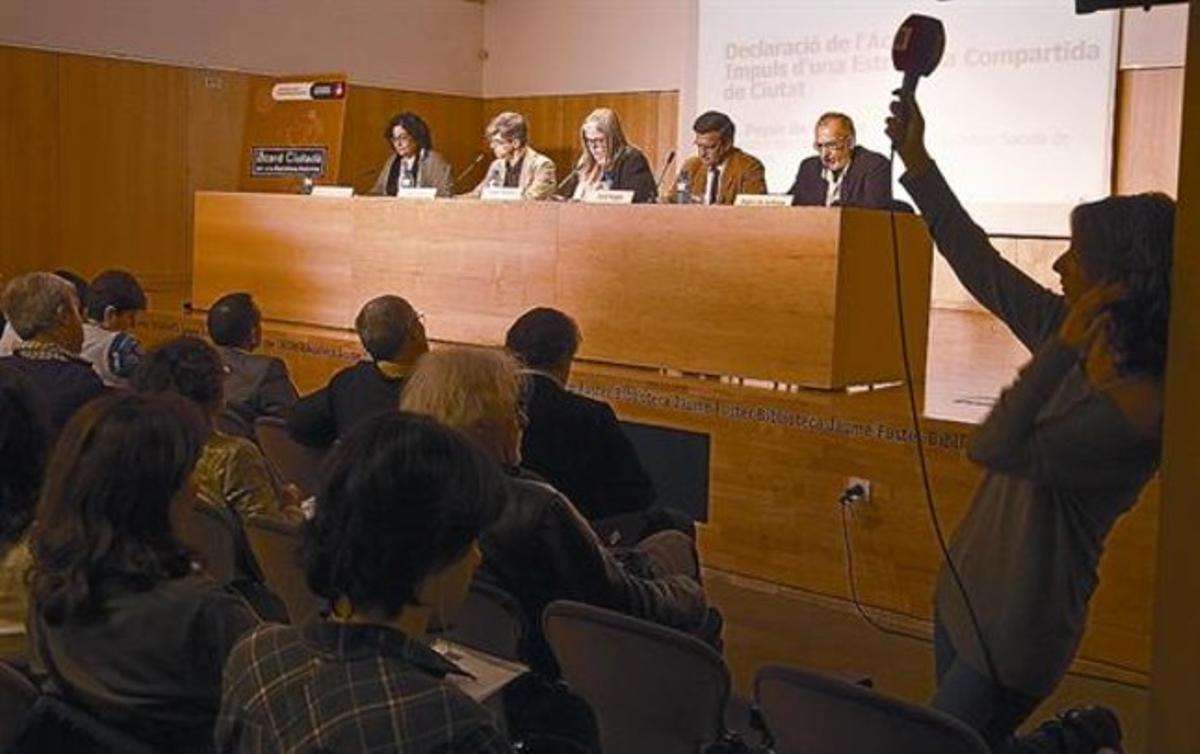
[(65, 384), (353, 394)]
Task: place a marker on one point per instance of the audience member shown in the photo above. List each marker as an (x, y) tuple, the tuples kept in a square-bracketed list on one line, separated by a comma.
[(1066, 450), (9, 339), (44, 311), (719, 171), (842, 173), (257, 385), (114, 300), (414, 163), (393, 540), (541, 549), (574, 442), (393, 335), (24, 445), (121, 623), (517, 165), (231, 471), (608, 161)]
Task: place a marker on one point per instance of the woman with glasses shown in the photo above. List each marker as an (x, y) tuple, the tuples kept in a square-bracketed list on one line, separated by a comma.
[(517, 165), (842, 174), (414, 163), (608, 161)]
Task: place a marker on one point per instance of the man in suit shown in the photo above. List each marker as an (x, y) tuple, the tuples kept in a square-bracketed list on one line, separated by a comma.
[(574, 442), (257, 385), (842, 174), (719, 171), (394, 338), (517, 165)]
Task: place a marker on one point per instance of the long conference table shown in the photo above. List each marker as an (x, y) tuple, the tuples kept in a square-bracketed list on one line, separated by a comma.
[(702, 321)]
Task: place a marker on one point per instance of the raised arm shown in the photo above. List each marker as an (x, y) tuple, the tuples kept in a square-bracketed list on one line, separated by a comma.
[(1029, 310)]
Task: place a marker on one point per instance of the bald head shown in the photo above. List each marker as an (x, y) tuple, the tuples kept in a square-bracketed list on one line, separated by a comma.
[(391, 330)]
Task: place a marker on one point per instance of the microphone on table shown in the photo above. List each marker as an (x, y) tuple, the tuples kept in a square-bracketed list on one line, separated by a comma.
[(478, 159), (917, 50), (663, 173)]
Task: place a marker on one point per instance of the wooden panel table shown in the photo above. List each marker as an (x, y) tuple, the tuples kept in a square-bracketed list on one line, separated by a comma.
[(803, 296)]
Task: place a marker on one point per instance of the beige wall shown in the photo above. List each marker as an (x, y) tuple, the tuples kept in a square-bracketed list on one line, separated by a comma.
[(426, 45), (538, 47)]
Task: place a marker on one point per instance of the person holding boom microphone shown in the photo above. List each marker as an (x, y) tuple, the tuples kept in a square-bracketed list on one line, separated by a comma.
[(1066, 450)]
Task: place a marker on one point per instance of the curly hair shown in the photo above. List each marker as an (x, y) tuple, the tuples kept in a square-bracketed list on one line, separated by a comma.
[(1130, 239), (414, 125), (404, 497), (186, 366), (104, 511), (24, 445)]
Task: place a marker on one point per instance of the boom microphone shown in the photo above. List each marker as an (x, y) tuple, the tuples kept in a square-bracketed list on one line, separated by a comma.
[(917, 50)]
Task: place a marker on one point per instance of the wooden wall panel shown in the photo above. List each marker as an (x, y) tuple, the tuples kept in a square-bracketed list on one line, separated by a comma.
[(29, 155), (1149, 117), (122, 175)]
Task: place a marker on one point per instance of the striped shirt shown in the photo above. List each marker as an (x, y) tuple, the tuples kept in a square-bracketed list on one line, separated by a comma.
[(336, 687)]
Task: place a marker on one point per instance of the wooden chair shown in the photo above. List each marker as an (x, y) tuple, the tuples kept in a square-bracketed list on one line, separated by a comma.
[(654, 690), (295, 463), (276, 546), (807, 712)]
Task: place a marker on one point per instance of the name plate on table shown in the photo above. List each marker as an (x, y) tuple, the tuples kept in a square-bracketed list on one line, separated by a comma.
[(763, 200), (609, 196), (417, 194), (334, 191), (501, 194)]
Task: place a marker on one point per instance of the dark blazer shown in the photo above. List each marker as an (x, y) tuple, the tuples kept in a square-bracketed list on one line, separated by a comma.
[(65, 385), (541, 549), (867, 184), (577, 445), (258, 385), (630, 172), (353, 394)]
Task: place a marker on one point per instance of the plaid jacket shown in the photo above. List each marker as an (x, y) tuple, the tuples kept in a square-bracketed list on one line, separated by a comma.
[(334, 687)]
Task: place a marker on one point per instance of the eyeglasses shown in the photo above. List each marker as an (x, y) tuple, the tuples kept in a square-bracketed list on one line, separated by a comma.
[(497, 141), (597, 142), (833, 145), (401, 139)]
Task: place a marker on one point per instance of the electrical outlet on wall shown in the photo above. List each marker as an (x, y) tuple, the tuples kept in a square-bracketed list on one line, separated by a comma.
[(857, 483)]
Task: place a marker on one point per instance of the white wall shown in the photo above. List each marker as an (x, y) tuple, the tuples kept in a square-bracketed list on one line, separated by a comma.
[(1154, 39), (428, 45), (582, 46)]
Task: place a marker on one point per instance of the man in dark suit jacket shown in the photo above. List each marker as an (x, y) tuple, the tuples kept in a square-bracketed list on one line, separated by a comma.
[(258, 385), (842, 174), (572, 441), (394, 338)]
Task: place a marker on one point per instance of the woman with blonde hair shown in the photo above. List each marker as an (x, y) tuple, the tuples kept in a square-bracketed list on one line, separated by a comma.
[(541, 549), (608, 161)]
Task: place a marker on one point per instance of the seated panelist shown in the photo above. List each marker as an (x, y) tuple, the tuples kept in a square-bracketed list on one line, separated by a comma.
[(719, 171), (517, 165), (842, 174), (414, 163), (608, 161)]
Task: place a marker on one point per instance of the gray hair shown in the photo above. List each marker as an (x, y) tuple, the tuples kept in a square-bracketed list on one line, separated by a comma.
[(36, 302), (464, 387), (508, 125)]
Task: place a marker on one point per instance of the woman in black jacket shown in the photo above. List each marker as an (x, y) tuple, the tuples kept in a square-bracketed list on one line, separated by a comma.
[(608, 161)]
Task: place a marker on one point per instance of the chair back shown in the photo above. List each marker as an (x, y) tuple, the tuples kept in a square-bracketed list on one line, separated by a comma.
[(213, 533), (654, 690), (806, 712), (17, 695), (53, 725), (276, 546), (490, 619), (293, 462)]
